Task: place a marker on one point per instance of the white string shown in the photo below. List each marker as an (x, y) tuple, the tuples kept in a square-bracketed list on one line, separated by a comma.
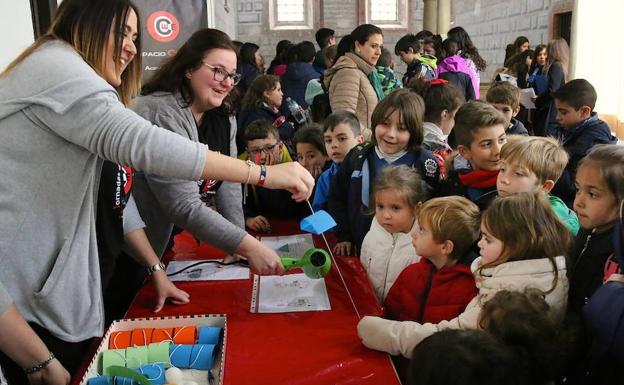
[(337, 267), (160, 371), (201, 347)]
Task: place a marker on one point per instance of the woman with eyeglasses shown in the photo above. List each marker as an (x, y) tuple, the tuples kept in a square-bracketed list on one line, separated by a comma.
[(62, 111), (179, 96), (262, 101), (188, 96)]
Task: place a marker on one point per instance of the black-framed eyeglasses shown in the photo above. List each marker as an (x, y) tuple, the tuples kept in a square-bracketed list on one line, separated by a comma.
[(220, 74), (266, 149)]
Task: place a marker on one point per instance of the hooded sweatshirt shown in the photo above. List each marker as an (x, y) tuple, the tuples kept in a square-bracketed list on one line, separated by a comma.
[(295, 81), (454, 64), (57, 124)]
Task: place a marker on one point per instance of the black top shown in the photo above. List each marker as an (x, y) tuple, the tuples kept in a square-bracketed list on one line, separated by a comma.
[(113, 194), (586, 269)]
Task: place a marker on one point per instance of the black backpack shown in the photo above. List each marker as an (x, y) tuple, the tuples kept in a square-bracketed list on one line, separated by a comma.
[(320, 107)]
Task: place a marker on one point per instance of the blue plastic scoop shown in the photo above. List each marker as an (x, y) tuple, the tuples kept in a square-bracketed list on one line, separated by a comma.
[(317, 223)]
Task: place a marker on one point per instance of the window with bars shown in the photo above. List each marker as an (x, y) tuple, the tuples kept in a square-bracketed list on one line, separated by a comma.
[(385, 13), (291, 14)]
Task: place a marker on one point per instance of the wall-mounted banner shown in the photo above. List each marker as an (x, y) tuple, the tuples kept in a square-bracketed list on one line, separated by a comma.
[(165, 26)]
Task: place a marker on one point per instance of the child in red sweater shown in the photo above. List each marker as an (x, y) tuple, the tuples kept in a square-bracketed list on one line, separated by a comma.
[(440, 285)]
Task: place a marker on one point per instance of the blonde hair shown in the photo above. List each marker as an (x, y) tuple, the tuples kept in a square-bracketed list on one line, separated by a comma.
[(403, 180), (528, 228), (558, 52), (452, 218), (86, 27), (544, 156)]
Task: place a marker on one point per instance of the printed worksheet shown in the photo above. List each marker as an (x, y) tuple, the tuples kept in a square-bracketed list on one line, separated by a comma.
[(205, 271), (288, 293), (293, 246)]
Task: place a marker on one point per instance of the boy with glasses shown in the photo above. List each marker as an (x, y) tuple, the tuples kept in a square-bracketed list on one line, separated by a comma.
[(264, 147)]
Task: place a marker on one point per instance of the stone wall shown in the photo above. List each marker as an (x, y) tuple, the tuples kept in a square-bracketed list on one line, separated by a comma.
[(226, 17), (339, 15), (492, 24)]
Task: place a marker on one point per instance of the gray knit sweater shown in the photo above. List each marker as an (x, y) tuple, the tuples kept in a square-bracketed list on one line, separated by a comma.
[(165, 201), (58, 120)]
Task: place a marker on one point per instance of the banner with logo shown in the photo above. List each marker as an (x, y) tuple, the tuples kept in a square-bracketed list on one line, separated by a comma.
[(165, 26)]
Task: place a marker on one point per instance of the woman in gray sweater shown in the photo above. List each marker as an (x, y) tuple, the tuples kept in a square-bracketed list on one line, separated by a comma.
[(61, 112)]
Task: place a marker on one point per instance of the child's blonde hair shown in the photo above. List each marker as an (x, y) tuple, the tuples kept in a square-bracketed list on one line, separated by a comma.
[(411, 108), (528, 227), (452, 218), (544, 156), (473, 116), (403, 180), (609, 160)]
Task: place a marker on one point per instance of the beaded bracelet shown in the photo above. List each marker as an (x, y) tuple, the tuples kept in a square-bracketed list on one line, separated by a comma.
[(37, 367)]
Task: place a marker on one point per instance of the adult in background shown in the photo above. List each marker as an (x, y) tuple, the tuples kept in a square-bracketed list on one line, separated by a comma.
[(278, 64), (251, 66), (520, 45), (56, 127), (351, 81), (299, 73), (324, 37), (469, 53), (185, 95), (556, 70)]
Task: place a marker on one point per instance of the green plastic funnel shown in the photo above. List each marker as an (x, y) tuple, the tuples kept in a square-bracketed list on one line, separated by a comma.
[(315, 263)]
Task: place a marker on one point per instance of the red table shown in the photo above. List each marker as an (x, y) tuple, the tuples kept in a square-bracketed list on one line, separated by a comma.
[(304, 348)]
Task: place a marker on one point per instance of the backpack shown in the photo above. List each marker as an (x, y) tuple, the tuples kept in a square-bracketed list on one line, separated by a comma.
[(320, 107)]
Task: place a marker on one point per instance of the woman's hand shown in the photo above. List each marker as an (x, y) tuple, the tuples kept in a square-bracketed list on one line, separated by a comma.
[(259, 223), (290, 176), (343, 248), (53, 374), (165, 289), (262, 260)]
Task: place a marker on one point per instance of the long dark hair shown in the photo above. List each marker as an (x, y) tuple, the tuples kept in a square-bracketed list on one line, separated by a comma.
[(86, 26), (468, 49), (280, 48), (171, 76), (248, 54), (360, 34), (254, 97), (539, 48)]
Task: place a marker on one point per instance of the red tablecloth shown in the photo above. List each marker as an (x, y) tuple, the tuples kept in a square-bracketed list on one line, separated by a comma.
[(301, 348)]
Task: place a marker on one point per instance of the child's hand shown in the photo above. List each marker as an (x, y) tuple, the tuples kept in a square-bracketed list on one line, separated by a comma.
[(165, 289), (258, 223), (316, 171), (269, 159), (343, 248)]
